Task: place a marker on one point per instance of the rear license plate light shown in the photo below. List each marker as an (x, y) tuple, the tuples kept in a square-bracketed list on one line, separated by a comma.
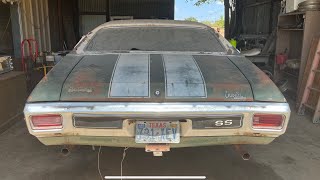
[(268, 121), (45, 122)]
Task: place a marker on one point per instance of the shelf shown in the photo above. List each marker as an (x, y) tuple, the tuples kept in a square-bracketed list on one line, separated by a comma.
[(290, 29), (292, 14), (291, 72)]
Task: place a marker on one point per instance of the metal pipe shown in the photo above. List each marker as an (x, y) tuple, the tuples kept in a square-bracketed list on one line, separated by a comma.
[(65, 151), (244, 154)]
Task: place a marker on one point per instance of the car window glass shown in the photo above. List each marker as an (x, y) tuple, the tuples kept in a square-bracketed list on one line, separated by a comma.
[(155, 39)]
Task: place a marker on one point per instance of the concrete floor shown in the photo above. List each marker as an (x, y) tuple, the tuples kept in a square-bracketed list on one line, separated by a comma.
[(293, 156)]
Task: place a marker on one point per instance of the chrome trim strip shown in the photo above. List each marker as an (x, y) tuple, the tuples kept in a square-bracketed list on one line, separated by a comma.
[(159, 52), (194, 108), (159, 110)]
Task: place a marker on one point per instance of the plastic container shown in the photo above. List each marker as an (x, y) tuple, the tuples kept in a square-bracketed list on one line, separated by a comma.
[(281, 58)]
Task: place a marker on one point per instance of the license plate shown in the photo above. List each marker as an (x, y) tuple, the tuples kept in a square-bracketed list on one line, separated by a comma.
[(157, 132)]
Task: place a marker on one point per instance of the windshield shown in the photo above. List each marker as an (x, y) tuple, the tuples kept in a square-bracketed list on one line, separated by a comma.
[(155, 39)]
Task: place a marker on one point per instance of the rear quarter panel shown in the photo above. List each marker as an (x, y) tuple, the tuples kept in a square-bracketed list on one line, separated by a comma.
[(262, 86)]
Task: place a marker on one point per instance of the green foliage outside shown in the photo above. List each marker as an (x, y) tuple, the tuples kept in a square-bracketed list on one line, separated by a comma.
[(193, 19), (200, 2), (217, 24)]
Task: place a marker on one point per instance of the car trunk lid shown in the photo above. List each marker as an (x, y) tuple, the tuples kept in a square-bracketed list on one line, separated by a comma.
[(155, 78)]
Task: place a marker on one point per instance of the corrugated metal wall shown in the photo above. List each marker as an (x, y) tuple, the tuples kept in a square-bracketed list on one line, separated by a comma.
[(258, 16), (92, 12), (146, 9), (34, 22), (89, 22), (92, 6), (143, 9), (5, 29)]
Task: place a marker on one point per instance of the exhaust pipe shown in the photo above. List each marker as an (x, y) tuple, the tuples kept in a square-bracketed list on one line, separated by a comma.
[(244, 154), (65, 151)]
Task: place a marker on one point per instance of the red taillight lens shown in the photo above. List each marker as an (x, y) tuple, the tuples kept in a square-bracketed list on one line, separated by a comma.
[(48, 121), (268, 121)]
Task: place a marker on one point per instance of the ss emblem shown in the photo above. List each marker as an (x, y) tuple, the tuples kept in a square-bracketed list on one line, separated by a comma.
[(223, 123)]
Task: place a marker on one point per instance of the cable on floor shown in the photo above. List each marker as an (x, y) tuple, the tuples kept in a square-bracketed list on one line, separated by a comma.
[(99, 170), (123, 157)]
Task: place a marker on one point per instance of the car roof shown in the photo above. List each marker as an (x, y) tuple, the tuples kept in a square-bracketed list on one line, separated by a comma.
[(152, 22), (146, 23)]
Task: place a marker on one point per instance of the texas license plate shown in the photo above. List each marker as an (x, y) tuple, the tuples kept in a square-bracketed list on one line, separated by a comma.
[(157, 132)]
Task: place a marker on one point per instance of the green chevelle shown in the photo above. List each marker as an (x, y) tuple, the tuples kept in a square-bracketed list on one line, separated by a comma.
[(155, 84)]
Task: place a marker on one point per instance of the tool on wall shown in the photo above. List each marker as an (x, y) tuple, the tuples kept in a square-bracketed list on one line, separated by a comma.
[(310, 87), (32, 43), (37, 63)]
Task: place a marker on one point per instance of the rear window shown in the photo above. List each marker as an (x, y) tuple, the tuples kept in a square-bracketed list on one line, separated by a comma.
[(155, 39)]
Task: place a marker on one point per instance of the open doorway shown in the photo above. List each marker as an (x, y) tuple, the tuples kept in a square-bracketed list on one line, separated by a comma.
[(210, 13), (5, 30)]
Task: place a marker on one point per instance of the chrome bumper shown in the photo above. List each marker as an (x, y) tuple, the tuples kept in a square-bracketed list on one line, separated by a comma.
[(130, 142), (156, 110)]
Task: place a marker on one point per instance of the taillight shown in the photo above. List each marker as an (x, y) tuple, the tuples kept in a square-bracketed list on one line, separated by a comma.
[(268, 121), (48, 121)]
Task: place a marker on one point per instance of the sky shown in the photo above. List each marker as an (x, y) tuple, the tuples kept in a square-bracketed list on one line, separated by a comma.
[(210, 12)]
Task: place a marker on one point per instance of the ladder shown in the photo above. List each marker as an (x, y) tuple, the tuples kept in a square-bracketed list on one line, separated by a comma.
[(309, 87)]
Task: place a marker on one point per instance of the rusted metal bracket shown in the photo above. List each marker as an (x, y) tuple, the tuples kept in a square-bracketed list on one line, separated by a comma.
[(157, 149)]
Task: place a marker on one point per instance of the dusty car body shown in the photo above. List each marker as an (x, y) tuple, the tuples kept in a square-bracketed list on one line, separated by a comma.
[(157, 73)]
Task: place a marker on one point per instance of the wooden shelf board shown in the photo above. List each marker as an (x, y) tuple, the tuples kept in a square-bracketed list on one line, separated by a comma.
[(292, 14), (290, 29)]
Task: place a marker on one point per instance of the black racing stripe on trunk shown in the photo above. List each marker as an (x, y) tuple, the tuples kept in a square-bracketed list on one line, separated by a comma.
[(157, 79), (262, 86), (223, 77), (90, 79)]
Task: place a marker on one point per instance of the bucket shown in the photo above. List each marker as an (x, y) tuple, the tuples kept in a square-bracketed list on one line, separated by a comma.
[(281, 58)]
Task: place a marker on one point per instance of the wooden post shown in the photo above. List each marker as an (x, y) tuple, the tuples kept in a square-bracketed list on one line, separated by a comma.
[(107, 10), (60, 21), (17, 33), (226, 19)]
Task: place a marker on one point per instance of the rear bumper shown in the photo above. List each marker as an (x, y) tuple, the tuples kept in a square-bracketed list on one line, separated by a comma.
[(124, 137), (130, 142)]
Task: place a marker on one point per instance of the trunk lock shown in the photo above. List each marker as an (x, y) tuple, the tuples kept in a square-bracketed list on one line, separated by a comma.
[(157, 93)]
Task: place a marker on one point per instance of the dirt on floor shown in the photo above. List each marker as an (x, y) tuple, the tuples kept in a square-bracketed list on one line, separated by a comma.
[(293, 156)]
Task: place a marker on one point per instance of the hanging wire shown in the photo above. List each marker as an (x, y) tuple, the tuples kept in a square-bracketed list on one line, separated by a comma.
[(123, 157), (99, 170), (5, 30)]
